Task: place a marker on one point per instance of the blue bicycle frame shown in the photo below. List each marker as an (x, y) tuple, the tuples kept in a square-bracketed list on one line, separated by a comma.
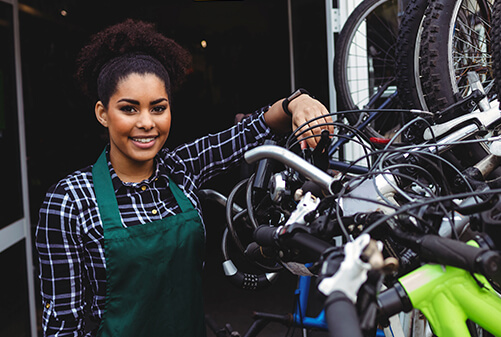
[(299, 316)]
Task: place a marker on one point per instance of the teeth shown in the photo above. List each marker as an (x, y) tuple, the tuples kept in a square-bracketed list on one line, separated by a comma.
[(143, 140)]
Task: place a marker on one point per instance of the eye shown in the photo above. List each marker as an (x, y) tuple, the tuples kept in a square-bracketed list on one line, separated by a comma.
[(128, 108), (159, 108)]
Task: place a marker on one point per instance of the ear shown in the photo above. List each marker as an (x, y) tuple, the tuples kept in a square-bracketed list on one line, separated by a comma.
[(101, 114)]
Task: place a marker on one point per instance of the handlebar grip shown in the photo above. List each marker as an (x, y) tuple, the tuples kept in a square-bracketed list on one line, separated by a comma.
[(266, 236), (392, 301), (341, 316), (308, 243), (459, 254)]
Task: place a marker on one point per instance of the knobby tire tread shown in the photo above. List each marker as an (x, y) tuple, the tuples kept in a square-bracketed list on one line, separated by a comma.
[(496, 45), (407, 68), (435, 60)]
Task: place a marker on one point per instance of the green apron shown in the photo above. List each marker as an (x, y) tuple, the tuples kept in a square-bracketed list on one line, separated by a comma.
[(153, 270)]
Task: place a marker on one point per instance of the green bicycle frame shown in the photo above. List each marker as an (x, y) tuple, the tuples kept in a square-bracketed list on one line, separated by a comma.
[(448, 296)]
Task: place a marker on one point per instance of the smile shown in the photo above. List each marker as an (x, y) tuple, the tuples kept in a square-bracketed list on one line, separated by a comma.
[(143, 140)]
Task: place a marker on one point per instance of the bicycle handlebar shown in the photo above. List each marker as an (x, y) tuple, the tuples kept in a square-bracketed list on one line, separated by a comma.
[(341, 316), (268, 236), (455, 253), (295, 162)]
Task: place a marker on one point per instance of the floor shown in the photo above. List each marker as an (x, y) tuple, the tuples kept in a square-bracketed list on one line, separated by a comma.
[(225, 303)]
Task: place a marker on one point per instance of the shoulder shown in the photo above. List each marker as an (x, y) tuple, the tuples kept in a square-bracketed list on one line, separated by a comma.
[(75, 187), (174, 164), (171, 160)]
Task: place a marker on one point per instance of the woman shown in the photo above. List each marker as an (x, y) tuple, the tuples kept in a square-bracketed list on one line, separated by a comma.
[(126, 233)]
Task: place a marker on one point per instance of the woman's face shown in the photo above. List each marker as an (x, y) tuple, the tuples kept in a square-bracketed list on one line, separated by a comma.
[(138, 119)]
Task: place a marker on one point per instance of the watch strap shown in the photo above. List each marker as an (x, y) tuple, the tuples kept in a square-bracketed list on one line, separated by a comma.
[(295, 94)]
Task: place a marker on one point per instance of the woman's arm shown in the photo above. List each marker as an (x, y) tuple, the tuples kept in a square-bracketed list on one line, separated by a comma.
[(214, 153), (59, 251)]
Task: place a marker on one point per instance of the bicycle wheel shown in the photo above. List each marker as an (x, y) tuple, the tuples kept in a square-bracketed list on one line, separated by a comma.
[(365, 61), (455, 40), (496, 44), (410, 92)]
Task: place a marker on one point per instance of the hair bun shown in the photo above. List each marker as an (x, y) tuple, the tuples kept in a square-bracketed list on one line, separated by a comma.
[(129, 36)]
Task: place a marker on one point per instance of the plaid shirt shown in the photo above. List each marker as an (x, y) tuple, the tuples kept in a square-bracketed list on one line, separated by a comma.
[(69, 236)]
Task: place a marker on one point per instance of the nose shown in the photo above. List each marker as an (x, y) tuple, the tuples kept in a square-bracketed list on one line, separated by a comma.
[(145, 121)]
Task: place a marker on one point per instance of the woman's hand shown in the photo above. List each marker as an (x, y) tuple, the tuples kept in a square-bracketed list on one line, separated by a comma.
[(303, 109)]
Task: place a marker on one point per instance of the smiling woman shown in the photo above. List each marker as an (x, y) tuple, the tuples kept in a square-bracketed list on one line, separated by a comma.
[(127, 231), (138, 118)]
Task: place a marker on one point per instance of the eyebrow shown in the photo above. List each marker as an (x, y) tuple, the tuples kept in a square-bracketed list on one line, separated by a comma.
[(133, 101)]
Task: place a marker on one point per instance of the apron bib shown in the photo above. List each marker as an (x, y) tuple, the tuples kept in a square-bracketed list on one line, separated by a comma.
[(153, 270)]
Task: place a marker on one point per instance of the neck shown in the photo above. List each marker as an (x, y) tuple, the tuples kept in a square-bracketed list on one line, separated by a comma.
[(134, 176), (132, 172)]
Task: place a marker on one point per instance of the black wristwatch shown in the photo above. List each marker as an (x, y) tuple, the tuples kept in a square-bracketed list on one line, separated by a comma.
[(295, 94)]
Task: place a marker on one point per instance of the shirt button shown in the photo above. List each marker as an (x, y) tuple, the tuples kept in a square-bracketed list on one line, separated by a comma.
[(143, 187), (154, 212)]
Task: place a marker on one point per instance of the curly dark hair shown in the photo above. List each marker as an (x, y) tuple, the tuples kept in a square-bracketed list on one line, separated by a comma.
[(129, 37)]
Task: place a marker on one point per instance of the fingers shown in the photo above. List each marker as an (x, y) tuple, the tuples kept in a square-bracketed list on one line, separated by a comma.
[(316, 123), (308, 110)]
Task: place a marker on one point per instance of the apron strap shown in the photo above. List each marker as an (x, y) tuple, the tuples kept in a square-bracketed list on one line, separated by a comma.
[(182, 200), (105, 193)]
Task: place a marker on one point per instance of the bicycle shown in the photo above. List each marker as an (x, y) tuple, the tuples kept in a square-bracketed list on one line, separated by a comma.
[(438, 249), (382, 61), (439, 292), (464, 129)]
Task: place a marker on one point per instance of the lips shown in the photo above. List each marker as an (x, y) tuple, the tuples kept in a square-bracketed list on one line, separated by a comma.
[(144, 142)]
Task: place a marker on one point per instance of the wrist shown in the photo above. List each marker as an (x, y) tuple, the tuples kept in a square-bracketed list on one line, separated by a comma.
[(294, 95)]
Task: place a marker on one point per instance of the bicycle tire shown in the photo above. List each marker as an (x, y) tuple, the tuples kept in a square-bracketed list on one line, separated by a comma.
[(496, 47), (365, 59), (455, 40), (408, 76)]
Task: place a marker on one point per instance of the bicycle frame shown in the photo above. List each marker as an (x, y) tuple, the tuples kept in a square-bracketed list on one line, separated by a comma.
[(300, 317), (448, 296)]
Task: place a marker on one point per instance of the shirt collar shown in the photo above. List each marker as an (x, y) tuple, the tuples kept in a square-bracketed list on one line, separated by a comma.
[(159, 173)]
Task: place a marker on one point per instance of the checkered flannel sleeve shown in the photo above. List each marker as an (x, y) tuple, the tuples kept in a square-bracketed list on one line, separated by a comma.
[(60, 252), (215, 153)]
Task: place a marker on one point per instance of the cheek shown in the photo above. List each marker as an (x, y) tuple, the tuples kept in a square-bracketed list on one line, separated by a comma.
[(166, 124), (119, 125)]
